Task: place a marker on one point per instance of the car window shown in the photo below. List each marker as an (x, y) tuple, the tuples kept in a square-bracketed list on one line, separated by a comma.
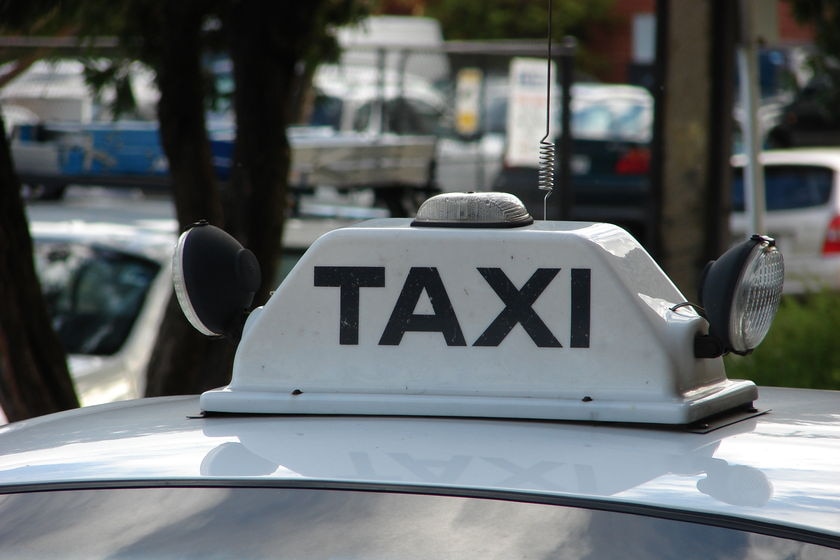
[(93, 294), (495, 115), (618, 120), (362, 116), (326, 111), (411, 116), (303, 524), (788, 187), (594, 120), (402, 116)]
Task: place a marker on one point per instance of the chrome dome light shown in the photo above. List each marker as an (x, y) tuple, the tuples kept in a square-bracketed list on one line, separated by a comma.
[(473, 210), (215, 279), (741, 291)]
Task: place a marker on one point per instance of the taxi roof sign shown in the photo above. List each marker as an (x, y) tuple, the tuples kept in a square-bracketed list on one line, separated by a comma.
[(552, 320)]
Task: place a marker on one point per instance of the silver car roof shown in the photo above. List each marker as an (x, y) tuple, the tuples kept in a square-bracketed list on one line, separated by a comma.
[(778, 467)]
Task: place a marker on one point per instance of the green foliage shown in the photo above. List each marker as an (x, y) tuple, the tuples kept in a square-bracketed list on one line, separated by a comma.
[(99, 74), (824, 16), (515, 19), (801, 349), (333, 14), (35, 16), (137, 24)]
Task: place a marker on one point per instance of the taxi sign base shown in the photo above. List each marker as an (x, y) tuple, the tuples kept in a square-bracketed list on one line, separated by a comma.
[(731, 395)]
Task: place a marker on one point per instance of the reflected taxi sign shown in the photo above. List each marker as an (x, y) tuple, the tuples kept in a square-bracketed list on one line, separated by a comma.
[(550, 320)]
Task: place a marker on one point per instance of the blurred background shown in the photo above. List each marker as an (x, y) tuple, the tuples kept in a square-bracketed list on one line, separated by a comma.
[(692, 125)]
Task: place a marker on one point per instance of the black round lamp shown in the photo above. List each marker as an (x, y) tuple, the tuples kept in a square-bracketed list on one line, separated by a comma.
[(215, 279), (741, 291)]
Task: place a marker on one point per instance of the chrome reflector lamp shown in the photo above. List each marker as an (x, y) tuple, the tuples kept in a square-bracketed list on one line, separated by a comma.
[(215, 279), (740, 293)]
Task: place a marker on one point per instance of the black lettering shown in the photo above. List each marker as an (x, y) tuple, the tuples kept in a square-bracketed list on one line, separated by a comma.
[(349, 279), (581, 307), (403, 318), (518, 308)]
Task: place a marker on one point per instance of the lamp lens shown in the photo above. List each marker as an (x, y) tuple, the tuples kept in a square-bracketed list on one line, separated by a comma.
[(757, 297)]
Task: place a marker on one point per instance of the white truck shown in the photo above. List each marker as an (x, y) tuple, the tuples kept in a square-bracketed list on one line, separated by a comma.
[(374, 121)]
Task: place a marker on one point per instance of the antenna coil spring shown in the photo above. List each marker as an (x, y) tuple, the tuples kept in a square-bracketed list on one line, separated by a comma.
[(546, 174), (547, 159)]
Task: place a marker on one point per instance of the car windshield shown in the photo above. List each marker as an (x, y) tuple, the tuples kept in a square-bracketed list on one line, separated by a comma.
[(93, 294), (321, 524), (601, 119), (787, 187), (615, 119)]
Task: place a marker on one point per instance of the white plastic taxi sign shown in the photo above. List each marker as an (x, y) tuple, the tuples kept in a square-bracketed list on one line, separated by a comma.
[(553, 320)]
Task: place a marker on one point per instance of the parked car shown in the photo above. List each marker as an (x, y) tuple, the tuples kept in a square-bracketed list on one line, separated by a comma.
[(367, 129), (104, 262), (611, 128), (104, 258), (407, 393), (348, 99), (802, 213)]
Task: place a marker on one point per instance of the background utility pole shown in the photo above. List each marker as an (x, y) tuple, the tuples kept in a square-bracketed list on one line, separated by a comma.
[(757, 25), (692, 137)]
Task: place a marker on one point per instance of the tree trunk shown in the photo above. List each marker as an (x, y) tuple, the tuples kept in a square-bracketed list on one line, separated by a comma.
[(681, 186), (183, 361), (267, 42), (34, 379)]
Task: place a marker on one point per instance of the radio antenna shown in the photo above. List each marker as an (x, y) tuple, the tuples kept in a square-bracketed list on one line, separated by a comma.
[(546, 177)]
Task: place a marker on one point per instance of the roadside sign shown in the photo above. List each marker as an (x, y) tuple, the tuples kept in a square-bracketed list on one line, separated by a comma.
[(468, 101), (528, 103)]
